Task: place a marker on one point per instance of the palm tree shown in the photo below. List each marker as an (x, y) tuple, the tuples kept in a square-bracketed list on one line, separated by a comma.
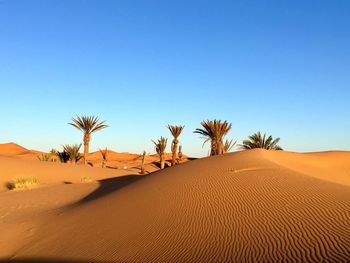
[(180, 153), (88, 125), (63, 156), (73, 152), (214, 131), (54, 155), (143, 156), (160, 147), (175, 132), (229, 144), (104, 154), (258, 141)]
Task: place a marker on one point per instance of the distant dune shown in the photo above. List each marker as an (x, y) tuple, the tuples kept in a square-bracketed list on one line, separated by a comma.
[(247, 206), (15, 150)]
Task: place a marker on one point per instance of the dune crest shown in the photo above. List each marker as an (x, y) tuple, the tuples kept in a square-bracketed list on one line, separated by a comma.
[(331, 166), (14, 150), (11, 149)]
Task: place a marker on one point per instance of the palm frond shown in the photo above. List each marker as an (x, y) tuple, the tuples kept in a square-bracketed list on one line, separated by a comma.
[(214, 131), (257, 140), (229, 144), (175, 130), (63, 156), (160, 145), (88, 124), (104, 154), (73, 152)]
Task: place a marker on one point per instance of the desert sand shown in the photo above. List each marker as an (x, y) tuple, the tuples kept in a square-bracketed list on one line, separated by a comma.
[(251, 206), (14, 150)]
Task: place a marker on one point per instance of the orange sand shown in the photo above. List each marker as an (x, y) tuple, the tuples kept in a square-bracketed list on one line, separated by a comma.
[(247, 206)]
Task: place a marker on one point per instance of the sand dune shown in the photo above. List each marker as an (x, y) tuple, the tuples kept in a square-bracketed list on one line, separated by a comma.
[(15, 150), (246, 206), (330, 166), (49, 173)]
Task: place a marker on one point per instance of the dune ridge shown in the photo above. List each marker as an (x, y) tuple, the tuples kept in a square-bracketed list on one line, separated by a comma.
[(14, 150), (245, 206)]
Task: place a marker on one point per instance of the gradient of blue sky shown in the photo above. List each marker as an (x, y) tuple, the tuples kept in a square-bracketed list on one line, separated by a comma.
[(281, 67)]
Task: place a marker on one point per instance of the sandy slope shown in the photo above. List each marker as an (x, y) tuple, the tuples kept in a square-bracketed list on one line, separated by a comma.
[(14, 150), (52, 173), (247, 206)]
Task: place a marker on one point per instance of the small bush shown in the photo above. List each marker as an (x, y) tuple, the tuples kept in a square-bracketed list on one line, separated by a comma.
[(86, 179), (73, 152), (45, 157), (63, 156), (22, 183)]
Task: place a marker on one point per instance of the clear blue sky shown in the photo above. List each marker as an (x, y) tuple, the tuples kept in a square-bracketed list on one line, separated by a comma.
[(281, 67)]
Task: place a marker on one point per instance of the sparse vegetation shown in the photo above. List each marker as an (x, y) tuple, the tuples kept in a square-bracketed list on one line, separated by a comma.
[(229, 144), (104, 154), (180, 153), (86, 179), (160, 147), (257, 140), (73, 152), (88, 125), (63, 156), (54, 155), (22, 183), (175, 131), (49, 157), (143, 156), (45, 157), (214, 131)]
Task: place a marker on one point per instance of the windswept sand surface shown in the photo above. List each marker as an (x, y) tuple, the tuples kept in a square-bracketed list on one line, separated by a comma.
[(246, 206)]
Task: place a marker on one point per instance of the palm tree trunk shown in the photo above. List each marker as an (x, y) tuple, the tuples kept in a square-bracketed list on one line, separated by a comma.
[(214, 148), (87, 138), (220, 148), (174, 152), (143, 163), (180, 153), (162, 161)]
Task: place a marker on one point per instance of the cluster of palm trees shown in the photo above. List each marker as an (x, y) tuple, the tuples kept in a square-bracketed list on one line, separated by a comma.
[(261, 141), (213, 131), (70, 153), (160, 146), (216, 130), (87, 125)]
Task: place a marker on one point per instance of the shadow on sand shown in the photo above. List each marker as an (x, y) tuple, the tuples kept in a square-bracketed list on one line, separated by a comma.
[(107, 186)]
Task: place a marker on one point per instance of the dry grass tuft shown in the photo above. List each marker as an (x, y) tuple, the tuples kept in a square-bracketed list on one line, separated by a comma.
[(22, 183), (86, 179)]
